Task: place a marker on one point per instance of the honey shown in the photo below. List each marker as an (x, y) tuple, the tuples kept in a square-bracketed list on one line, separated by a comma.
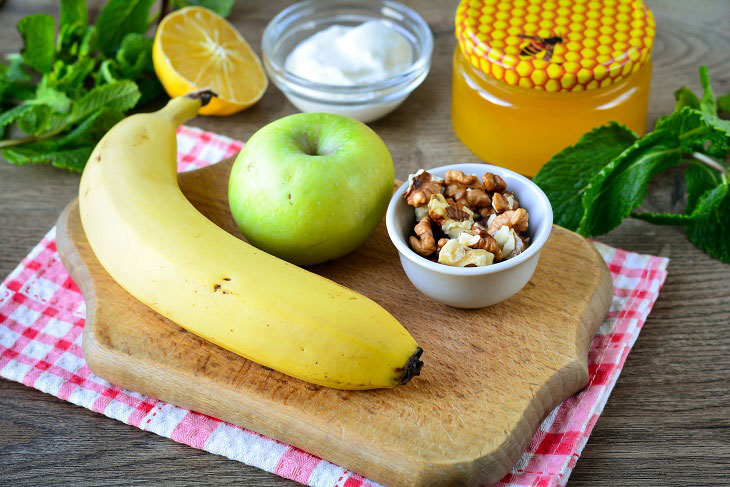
[(530, 77)]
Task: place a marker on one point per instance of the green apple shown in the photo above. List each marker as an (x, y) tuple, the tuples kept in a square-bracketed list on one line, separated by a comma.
[(311, 187)]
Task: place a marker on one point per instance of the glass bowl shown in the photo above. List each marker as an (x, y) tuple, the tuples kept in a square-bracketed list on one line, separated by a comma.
[(364, 102)]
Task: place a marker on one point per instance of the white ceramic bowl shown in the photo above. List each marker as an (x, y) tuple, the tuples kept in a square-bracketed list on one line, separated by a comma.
[(473, 287), (364, 102)]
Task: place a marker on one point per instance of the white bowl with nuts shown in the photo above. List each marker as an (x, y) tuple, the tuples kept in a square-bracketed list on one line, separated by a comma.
[(469, 235)]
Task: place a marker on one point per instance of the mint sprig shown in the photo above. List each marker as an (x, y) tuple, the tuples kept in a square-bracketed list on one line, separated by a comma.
[(73, 81), (599, 181)]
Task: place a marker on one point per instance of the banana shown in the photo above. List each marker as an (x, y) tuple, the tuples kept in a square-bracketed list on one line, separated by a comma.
[(165, 253)]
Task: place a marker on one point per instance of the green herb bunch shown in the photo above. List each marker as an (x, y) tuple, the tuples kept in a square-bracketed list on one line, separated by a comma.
[(603, 178), (66, 89)]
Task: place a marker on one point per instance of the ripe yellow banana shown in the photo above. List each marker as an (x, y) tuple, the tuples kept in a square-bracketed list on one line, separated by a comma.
[(159, 248)]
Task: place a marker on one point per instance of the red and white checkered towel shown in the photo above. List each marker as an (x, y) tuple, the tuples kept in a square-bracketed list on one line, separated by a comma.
[(42, 317)]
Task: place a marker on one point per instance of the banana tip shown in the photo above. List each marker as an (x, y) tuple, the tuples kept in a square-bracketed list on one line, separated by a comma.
[(412, 367)]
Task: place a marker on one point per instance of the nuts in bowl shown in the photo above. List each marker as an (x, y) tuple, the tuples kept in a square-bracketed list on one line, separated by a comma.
[(469, 235), (464, 220)]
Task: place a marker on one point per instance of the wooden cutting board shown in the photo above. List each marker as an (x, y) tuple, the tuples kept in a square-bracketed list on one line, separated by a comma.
[(490, 375)]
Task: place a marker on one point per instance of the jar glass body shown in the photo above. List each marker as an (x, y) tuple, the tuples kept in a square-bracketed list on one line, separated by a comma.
[(522, 128)]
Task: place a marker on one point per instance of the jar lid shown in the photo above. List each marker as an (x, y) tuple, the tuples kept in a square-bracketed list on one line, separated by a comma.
[(558, 45)]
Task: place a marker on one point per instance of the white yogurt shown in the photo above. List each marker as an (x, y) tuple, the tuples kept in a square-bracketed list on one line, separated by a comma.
[(351, 56)]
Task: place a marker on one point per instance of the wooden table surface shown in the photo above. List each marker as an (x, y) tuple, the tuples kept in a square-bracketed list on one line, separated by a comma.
[(668, 419)]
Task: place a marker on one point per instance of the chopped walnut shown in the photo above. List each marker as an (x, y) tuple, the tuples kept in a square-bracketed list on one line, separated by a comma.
[(424, 244), (466, 190), (455, 204), (453, 220), (437, 208), (492, 182), (499, 203), (478, 238), (487, 212), (517, 219), (505, 238), (454, 177), (478, 199), (520, 245), (504, 201), (455, 254), (441, 209), (421, 211), (422, 186)]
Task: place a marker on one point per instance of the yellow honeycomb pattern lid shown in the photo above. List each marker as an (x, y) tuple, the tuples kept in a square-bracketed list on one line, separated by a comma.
[(558, 45)]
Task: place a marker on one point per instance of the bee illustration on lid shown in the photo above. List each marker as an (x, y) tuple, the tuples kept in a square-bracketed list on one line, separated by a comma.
[(538, 44)]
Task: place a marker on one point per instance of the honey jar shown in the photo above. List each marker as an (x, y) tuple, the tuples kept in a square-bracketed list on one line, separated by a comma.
[(531, 76)]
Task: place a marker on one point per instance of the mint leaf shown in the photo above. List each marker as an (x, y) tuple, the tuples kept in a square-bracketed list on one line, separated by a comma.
[(89, 41), (685, 98), (695, 129), (622, 185), (699, 179), (663, 218), (38, 32), (118, 96), (567, 175), (711, 232), (135, 55), (707, 102), (55, 99), (723, 103), (73, 159), (71, 78), (73, 12), (150, 88), (15, 70), (702, 205), (35, 120), (9, 116), (117, 19), (67, 42), (221, 7)]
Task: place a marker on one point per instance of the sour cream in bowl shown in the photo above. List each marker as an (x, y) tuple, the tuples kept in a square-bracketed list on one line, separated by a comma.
[(355, 58)]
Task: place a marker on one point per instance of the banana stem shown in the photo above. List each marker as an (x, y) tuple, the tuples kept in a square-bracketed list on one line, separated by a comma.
[(412, 367), (183, 108)]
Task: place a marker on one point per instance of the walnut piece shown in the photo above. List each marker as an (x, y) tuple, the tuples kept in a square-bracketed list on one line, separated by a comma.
[(516, 219), (453, 220), (505, 238), (479, 238), (421, 187), (454, 177), (504, 201), (421, 211), (424, 243), (456, 254), (487, 212), (492, 182), (441, 209), (441, 243), (477, 198), (466, 190)]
